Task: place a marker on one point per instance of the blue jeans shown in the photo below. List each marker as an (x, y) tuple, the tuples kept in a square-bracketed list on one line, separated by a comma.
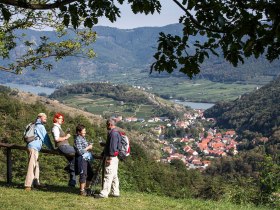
[(69, 153)]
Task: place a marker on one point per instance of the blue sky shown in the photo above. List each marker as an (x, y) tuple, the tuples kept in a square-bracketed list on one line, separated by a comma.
[(170, 13)]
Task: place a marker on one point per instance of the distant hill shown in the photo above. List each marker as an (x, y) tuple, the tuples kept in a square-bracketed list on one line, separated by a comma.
[(124, 56), (127, 101), (255, 112)]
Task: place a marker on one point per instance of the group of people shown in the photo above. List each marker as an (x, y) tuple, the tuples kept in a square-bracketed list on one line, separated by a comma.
[(79, 156)]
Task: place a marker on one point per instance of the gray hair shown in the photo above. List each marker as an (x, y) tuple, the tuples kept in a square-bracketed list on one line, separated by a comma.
[(41, 114), (111, 121)]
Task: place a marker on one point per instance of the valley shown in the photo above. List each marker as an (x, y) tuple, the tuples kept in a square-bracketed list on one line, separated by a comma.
[(169, 88)]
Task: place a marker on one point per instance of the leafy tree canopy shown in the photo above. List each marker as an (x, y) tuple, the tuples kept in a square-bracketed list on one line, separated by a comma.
[(239, 29)]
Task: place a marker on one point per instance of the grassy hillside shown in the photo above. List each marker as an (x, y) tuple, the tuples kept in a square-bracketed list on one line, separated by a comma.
[(139, 174), (60, 198)]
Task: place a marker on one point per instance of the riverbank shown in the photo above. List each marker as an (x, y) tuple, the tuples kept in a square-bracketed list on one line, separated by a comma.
[(38, 90)]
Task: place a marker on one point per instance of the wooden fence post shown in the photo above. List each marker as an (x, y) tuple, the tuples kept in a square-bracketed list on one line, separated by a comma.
[(9, 165)]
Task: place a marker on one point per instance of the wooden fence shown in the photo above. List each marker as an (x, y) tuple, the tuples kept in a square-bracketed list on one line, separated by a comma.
[(9, 164), (10, 147)]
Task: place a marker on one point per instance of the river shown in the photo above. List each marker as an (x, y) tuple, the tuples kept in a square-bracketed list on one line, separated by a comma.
[(30, 88), (195, 105), (48, 91)]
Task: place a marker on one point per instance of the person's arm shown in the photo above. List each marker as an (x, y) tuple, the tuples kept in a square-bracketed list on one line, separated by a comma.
[(56, 135), (80, 146), (47, 142), (43, 135), (114, 140)]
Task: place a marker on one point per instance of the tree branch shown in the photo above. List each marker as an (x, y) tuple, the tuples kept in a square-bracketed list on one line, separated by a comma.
[(194, 20), (7, 70), (27, 5)]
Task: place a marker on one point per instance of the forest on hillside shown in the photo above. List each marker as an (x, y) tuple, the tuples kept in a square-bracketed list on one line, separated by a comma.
[(256, 118), (257, 112), (240, 179)]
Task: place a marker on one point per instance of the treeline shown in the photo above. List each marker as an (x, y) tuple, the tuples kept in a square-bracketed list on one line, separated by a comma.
[(139, 173)]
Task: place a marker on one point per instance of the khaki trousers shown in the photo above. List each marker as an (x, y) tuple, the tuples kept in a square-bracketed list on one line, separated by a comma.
[(111, 180), (33, 168)]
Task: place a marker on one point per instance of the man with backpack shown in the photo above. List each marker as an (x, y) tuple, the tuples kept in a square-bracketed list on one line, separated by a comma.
[(40, 136), (111, 152)]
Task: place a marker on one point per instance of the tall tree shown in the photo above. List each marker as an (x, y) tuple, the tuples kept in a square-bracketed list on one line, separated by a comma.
[(239, 29)]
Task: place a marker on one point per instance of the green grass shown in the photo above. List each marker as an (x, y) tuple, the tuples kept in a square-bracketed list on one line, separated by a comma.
[(58, 197), (202, 90)]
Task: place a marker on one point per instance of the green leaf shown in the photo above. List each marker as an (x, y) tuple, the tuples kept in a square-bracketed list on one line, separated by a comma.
[(6, 14), (88, 23), (191, 4), (66, 20)]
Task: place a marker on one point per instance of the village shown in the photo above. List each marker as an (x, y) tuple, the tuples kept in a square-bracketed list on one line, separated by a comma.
[(196, 152)]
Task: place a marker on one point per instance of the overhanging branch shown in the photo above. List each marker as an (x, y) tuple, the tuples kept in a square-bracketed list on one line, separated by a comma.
[(194, 20), (7, 70)]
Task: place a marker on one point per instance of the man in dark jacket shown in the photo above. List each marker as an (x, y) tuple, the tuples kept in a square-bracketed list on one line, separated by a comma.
[(111, 151)]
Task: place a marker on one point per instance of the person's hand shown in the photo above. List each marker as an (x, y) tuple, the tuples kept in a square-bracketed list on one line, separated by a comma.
[(68, 136), (89, 147), (108, 162)]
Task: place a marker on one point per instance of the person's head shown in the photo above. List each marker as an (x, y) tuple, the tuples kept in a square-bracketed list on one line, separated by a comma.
[(110, 124), (58, 118), (81, 130), (42, 117)]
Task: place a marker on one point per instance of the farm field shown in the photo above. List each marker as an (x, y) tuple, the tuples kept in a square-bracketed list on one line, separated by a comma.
[(108, 107)]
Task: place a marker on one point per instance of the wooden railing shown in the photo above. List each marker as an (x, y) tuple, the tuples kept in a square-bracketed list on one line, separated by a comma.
[(9, 148)]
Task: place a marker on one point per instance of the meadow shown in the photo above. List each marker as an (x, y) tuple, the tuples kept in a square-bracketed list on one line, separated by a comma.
[(61, 197)]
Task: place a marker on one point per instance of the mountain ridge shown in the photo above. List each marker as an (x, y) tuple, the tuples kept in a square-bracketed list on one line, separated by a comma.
[(130, 52)]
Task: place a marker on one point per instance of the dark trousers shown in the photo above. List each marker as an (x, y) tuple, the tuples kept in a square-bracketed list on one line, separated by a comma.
[(69, 153), (84, 169)]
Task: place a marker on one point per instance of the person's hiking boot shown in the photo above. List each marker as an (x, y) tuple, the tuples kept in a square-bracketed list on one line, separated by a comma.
[(99, 196), (83, 193), (27, 189), (39, 186), (114, 196), (89, 192)]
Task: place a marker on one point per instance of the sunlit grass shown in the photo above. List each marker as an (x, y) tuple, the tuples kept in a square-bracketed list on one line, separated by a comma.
[(55, 197)]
